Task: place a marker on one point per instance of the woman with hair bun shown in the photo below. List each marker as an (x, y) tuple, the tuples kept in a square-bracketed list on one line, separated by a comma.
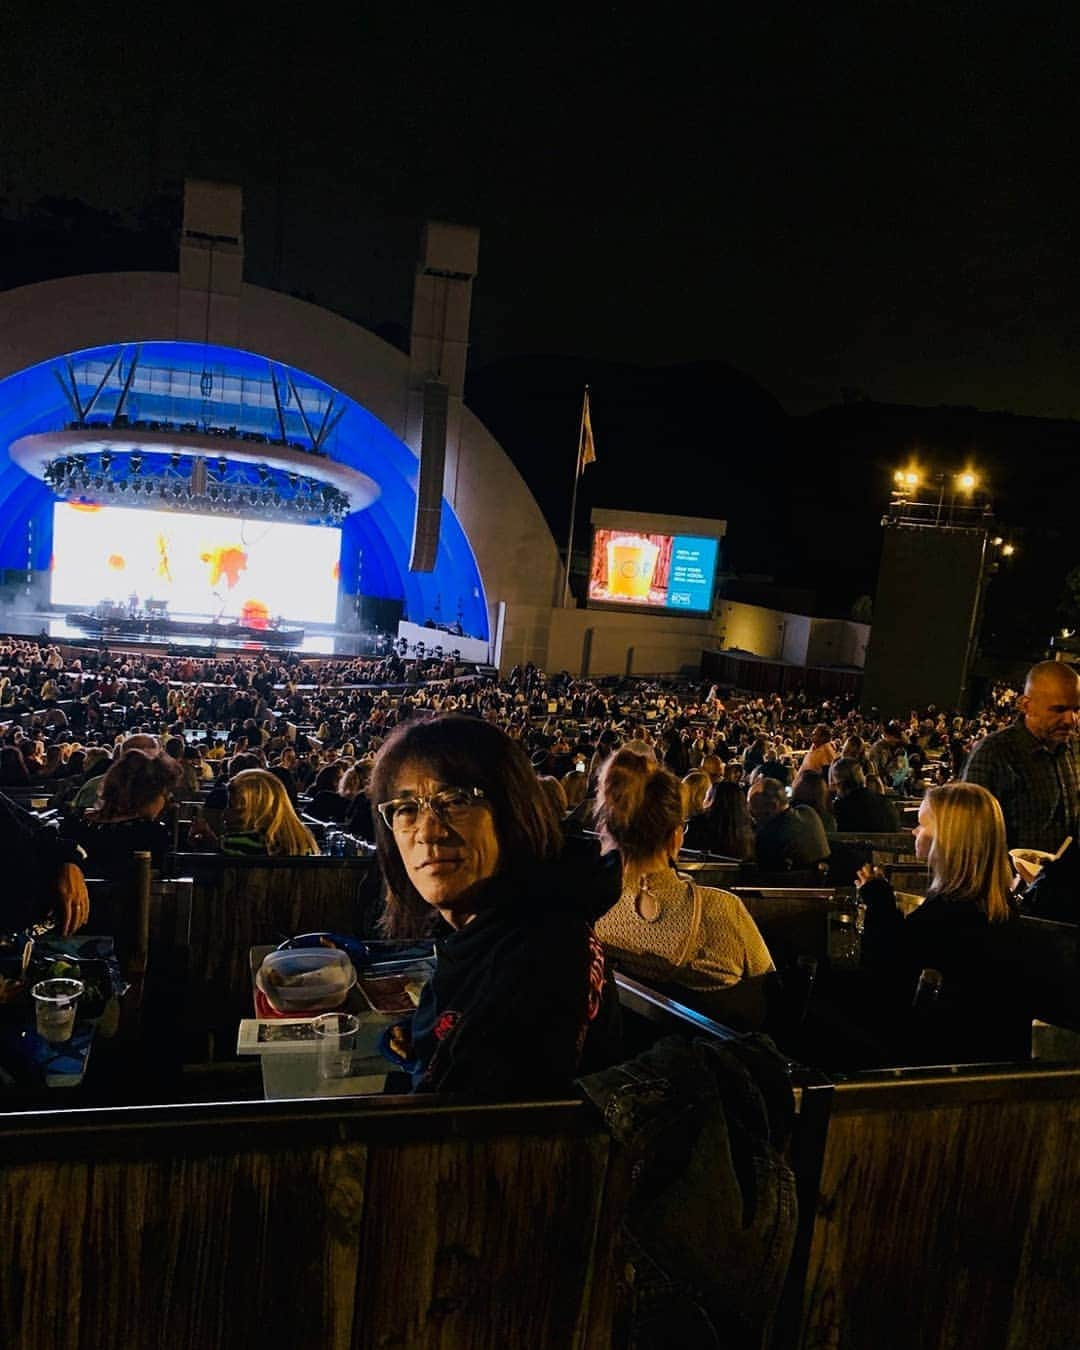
[(664, 927)]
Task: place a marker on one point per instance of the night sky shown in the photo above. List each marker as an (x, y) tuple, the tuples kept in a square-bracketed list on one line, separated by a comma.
[(877, 197), (803, 205)]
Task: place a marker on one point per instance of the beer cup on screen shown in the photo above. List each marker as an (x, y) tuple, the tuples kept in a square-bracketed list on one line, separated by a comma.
[(631, 562)]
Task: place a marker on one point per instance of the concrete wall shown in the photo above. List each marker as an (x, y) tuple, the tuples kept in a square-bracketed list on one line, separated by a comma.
[(605, 642)]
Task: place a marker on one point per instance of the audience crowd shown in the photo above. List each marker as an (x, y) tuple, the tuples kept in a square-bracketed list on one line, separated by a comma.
[(65, 712), (474, 791)]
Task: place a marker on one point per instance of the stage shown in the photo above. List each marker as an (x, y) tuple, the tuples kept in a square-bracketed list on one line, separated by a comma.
[(315, 640)]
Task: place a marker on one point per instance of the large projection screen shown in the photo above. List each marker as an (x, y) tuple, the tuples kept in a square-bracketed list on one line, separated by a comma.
[(654, 571), (199, 565)]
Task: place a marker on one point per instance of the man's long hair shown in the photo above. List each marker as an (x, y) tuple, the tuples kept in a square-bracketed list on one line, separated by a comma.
[(460, 752)]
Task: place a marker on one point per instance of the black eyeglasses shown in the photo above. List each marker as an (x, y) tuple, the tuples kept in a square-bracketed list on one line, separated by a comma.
[(450, 805)]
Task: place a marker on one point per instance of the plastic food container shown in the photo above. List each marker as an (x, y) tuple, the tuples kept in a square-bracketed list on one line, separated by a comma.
[(306, 980)]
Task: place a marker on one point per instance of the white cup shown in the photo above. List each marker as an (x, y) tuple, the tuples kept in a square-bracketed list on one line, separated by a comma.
[(55, 1002)]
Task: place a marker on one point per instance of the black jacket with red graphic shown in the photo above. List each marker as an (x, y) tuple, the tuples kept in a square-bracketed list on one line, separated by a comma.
[(521, 1001)]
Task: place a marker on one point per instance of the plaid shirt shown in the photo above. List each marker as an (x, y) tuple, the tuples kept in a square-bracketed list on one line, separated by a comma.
[(1038, 787)]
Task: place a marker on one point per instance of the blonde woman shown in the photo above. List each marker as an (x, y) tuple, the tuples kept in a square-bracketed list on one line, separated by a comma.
[(966, 929), (259, 821), (696, 788), (664, 927)]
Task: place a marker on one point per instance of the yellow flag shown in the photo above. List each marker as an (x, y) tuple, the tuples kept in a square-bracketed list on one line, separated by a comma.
[(587, 447)]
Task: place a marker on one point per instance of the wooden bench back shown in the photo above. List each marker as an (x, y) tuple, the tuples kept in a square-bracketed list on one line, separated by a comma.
[(235, 904), (331, 1224), (944, 1199)]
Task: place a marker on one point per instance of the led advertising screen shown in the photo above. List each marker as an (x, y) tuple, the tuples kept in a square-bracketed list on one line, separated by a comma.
[(200, 565), (660, 571)]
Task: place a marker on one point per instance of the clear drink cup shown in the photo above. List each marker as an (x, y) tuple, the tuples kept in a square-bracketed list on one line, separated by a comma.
[(55, 1003), (337, 1034)]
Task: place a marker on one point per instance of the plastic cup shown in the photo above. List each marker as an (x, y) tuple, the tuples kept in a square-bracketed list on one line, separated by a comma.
[(55, 1002), (338, 1037)]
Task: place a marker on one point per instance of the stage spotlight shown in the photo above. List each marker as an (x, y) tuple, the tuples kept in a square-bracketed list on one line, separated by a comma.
[(967, 481)]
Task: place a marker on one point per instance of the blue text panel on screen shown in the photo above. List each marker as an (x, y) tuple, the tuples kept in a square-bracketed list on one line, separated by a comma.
[(693, 567)]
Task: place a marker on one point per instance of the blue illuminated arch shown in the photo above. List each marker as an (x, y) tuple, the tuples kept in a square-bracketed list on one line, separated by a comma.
[(375, 542)]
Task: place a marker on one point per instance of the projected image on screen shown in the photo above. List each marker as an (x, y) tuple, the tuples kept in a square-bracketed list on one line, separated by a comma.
[(250, 570), (661, 571)]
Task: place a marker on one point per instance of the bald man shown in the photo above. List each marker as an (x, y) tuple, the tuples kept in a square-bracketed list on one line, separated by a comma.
[(1033, 767)]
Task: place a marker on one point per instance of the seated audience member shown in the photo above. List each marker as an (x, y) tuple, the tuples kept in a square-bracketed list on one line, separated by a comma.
[(259, 820), (189, 788), (471, 851), (360, 820), (755, 754), (13, 771), (664, 927), (855, 748), (773, 767), (42, 874), (218, 796), (282, 768), (725, 828), (327, 801), (134, 793), (87, 793), (875, 785), (966, 929), (809, 789), (676, 756), (785, 837), (888, 756), (696, 788), (856, 808), (575, 786), (555, 794), (822, 752)]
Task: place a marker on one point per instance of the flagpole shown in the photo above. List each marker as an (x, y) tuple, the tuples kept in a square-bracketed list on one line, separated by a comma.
[(573, 500)]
